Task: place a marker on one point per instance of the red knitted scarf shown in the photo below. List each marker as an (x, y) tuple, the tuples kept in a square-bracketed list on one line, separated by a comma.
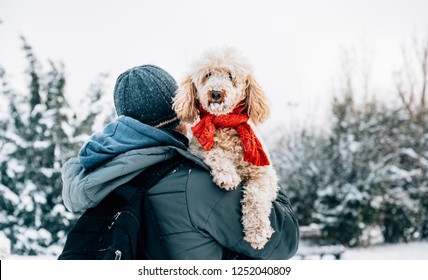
[(205, 128)]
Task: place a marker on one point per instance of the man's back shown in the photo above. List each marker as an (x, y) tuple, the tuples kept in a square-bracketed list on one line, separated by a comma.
[(189, 217)]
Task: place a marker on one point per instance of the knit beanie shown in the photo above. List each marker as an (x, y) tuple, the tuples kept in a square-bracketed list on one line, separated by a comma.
[(145, 93)]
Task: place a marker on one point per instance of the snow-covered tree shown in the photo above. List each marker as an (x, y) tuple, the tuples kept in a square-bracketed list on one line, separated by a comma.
[(369, 173), (33, 169), (38, 134), (297, 160), (95, 109)]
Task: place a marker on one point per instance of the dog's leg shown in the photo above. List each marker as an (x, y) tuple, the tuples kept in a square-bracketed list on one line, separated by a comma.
[(259, 192), (222, 167), (223, 170)]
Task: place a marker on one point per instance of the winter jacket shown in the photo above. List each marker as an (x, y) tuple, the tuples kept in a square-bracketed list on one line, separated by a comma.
[(187, 216)]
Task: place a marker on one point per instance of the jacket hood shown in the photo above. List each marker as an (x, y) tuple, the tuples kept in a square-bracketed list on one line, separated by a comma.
[(112, 158), (122, 135)]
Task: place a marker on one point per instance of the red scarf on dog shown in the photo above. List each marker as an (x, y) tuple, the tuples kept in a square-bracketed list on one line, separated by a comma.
[(205, 128)]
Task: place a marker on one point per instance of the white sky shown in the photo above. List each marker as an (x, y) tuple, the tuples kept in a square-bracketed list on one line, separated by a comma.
[(294, 46)]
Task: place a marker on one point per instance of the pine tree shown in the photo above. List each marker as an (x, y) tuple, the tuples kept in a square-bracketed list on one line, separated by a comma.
[(369, 173), (37, 181), (299, 165), (344, 205), (38, 134), (9, 198), (96, 109)]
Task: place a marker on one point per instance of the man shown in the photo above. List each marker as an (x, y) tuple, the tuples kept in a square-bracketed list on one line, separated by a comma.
[(187, 216)]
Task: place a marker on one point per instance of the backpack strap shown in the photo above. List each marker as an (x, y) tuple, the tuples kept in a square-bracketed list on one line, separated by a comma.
[(142, 183), (152, 175), (147, 179)]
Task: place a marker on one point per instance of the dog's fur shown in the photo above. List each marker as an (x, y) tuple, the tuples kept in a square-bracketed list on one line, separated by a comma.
[(225, 70)]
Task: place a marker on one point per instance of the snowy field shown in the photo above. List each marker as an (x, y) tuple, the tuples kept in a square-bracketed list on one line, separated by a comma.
[(409, 251), (403, 251)]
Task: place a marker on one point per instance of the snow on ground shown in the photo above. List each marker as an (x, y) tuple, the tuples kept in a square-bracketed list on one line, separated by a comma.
[(4, 245), (402, 251)]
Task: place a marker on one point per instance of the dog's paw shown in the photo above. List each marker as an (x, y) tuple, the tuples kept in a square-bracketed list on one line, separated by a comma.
[(259, 238), (227, 181)]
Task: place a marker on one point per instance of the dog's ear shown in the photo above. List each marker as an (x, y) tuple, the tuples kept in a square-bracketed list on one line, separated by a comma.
[(185, 101), (256, 101)]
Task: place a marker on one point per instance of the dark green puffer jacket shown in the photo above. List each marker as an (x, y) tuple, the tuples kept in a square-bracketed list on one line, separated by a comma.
[(187, 215), (196, 220)]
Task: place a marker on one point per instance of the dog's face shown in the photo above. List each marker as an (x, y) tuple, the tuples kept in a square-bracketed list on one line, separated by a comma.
[(220, 81), (219, 89)]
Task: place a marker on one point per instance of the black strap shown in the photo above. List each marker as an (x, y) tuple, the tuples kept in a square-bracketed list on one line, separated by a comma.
[(152, 175), (146, 180)]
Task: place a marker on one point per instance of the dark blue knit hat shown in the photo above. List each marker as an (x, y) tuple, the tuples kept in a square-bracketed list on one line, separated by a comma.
[(145, 93)]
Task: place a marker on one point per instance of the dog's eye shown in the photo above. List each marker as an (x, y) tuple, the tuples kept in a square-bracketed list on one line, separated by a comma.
[(208, 75), (230, 76)]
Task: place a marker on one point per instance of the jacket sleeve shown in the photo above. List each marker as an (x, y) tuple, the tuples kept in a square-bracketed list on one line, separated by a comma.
[(217, 213), (284, 222)]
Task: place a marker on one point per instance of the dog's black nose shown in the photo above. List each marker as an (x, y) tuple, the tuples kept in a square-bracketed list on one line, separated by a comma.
[(216, 94)]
